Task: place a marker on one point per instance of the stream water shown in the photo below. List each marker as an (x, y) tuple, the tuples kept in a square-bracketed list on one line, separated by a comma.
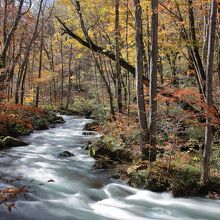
[(79, 193)]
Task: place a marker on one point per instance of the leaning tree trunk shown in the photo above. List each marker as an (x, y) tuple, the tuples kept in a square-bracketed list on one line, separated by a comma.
[(209, 98), (197, 61)]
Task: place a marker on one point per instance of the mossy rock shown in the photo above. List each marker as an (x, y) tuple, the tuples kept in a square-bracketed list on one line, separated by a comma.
[(103, 162), (14, 129), (54, 119), (1, 144), (13, 142), (40, 124), (91, 126), (22, 130), (66, 154), (118, 155)]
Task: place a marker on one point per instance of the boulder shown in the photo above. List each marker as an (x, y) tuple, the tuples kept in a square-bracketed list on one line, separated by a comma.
[(3, 130), (91, 126), (13, 142), (53, 118), (66, 154), (59, 120), (40, 124), (1, 144)]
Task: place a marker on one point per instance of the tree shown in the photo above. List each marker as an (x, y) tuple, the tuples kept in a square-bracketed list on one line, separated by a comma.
[(153, 75), (8, 35), (117, 56), (209, 96), (98, 49), (139, 73)]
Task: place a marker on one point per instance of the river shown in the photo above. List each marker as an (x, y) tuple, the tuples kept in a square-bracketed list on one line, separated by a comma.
[(76, 192)]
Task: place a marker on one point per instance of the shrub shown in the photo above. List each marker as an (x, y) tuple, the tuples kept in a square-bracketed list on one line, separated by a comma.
[(90, 108), (196, 132)]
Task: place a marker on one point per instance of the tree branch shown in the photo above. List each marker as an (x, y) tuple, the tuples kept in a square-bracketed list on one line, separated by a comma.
[(98, 49), (162, 91)]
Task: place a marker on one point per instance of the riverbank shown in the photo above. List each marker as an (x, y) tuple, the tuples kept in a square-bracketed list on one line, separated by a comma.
[(67, 188), (17, 120), (176, 170)]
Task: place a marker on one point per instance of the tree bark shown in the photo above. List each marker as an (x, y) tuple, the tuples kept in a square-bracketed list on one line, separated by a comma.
[(117, 57), (69, 77), (8, 36), (139, 74), (153, 73), (195, 50), (62, 72), (40, 69), (96, 48), (209, 97)]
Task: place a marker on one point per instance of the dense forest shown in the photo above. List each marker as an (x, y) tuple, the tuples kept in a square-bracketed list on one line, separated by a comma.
[(146, 71)]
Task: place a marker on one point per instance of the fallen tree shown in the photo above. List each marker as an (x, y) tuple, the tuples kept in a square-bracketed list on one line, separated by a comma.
[(161, 90)]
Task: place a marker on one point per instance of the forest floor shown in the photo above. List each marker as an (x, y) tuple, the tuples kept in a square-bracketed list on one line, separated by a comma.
[(179, 156), (16, 120), (179, 149)]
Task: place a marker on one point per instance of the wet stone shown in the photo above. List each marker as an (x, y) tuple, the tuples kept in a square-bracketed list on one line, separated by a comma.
[(13, 142), (66, 154)]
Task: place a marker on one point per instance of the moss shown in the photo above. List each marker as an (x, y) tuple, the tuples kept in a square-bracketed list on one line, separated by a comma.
[(91, 126), (181, 177), (179, 181), (185, 181), (21, 129), (107, 152), (40, 124), (52, 118)]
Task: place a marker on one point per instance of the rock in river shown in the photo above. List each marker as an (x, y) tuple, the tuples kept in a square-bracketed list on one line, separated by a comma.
[(13, 142), (66, 154)]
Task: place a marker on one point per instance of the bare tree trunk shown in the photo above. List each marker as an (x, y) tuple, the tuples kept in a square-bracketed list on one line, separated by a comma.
[(5, 21), (40, 69), (153, 77), (18, 82), (62, 72), (218, 43), (96, 84), (128, 81), (69, 77), (23, 84), (8, 36), (26, 55), (148, 38), (219, 59), (139, 73), (205, 38), (117, 58), (195, 50), (107, 85), (209, 97)]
